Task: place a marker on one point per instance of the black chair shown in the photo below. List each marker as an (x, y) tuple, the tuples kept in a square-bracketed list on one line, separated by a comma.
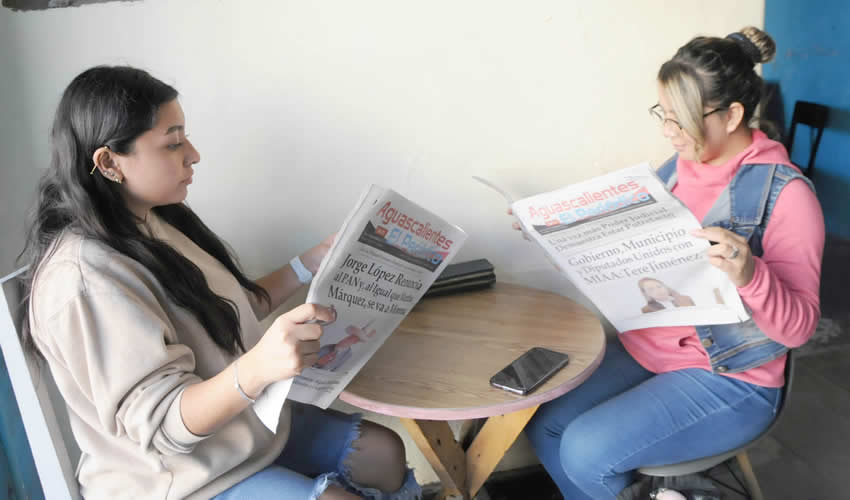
[(815, 116)]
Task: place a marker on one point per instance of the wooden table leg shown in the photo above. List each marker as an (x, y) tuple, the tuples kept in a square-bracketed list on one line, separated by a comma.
[(490, 445), (463, 474), (437, 442)]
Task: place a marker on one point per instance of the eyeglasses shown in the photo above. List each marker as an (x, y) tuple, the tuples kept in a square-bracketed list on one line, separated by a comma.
[(657, 112)]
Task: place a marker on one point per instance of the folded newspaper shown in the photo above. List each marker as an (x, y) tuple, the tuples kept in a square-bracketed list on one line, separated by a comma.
[(385, 257), (625, 241)]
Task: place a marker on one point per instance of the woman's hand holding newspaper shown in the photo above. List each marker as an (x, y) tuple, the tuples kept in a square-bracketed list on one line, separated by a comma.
[(516, 225), (731, 255), (288, 346)]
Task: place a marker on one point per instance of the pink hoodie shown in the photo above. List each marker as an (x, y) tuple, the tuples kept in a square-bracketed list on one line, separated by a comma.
[(783, 294)]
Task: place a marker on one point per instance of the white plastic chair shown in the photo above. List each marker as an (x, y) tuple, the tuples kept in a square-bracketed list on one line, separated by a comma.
[(43, 412)]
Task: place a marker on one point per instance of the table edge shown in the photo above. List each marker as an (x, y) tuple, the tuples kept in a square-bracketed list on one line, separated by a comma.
[(535, 399)]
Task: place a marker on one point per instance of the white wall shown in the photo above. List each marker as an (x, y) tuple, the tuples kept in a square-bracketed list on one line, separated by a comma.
[(296, 106), (18, 174)]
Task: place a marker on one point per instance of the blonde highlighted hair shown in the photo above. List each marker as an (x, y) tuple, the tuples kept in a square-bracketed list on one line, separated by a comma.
[(716, 72)]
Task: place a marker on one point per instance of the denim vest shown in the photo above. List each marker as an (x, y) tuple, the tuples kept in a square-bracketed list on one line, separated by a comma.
[(744, 207)]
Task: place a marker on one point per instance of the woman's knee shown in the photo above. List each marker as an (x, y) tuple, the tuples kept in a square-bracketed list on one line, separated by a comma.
[(337, 493), (586, 455), (550, 420), (378, 458), (544, 431)]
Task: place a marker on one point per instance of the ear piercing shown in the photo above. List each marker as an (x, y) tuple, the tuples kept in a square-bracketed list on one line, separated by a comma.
[(111, 175)]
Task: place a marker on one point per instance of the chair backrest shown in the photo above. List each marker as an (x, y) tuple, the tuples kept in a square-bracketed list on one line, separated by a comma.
[(42, 409), (815, 116), (786, 393), (789, 380)]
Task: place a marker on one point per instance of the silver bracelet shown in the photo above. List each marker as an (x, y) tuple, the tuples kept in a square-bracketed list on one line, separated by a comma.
[(239, 387)]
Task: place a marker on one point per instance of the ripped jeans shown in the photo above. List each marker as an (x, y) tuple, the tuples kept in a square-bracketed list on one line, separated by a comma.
[(313, 459)]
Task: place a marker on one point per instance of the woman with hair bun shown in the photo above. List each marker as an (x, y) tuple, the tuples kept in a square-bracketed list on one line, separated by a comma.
[(672, 394)]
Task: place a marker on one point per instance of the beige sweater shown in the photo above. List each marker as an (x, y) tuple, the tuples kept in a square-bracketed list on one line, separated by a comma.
[(122, 353)]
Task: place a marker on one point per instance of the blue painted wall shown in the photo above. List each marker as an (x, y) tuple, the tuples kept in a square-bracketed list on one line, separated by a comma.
[(18, 476), (813, 64)]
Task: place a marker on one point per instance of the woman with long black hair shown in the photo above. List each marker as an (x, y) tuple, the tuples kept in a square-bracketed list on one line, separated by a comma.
[(151, 330)]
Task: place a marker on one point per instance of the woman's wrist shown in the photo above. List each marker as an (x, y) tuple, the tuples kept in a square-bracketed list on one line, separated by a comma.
[(312, 259), (251, 382)]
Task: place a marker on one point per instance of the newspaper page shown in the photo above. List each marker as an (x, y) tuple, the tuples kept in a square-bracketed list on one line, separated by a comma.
[(625, 242), (385, 257)]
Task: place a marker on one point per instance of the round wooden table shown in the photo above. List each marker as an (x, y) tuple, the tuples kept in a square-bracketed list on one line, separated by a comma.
[(437, 365)]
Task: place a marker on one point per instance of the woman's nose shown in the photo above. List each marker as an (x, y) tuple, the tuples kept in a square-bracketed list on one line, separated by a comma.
[(193, 155), (670, 130)]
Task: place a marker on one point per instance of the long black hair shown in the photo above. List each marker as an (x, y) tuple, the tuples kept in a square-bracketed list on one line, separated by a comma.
[(112, 106)]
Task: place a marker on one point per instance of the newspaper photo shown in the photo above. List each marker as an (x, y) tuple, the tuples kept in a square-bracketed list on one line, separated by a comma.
[(385, 257), (625, 242)]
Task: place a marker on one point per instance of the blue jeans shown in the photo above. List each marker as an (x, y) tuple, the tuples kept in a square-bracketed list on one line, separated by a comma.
[(314, 458), (592, 439)]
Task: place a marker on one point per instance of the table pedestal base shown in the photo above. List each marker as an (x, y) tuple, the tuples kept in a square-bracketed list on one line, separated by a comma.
[(463, 473)]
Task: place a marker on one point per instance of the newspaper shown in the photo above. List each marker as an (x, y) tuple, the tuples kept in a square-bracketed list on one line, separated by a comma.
[(385, 257), (625, 242)]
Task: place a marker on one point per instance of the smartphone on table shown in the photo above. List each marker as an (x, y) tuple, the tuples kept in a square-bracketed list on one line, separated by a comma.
[(530, 370)]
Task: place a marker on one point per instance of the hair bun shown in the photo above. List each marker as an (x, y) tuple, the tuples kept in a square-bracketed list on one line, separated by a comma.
[(756, 43)]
